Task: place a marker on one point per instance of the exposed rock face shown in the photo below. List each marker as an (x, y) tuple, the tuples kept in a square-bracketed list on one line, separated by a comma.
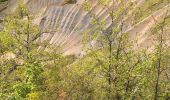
[(62, 23)]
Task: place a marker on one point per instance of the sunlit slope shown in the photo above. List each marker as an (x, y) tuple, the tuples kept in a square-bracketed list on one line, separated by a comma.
[(62, 23)]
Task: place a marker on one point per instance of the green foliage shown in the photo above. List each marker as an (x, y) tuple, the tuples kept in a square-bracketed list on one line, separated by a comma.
[(3, 0), (104, 2), (114, 66), (87, 6), (70, 1), (23, 72), (21, 90), (31, 83)]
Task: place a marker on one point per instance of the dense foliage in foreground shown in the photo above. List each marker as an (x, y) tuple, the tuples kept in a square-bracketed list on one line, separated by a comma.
[(115, 69)]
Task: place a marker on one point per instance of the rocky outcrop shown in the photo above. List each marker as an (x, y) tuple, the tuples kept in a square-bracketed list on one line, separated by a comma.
[(62, 23)]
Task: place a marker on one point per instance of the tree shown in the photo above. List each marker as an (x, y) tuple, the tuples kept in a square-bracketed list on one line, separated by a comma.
[(113, 67), (161, 61), (113, 52), (22, 72), (30, 67), (126, 72)]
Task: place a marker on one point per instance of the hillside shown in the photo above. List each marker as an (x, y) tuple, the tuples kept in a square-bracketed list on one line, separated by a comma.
[(84, 49), (63, 24)]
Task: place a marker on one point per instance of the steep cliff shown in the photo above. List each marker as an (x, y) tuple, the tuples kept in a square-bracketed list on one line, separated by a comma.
[(63, 22)]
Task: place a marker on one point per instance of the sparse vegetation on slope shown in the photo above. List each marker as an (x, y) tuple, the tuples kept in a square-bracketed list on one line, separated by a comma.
[(147, 8)]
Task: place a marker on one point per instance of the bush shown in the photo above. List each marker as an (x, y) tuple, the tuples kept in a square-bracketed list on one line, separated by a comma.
[(3, 0)]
